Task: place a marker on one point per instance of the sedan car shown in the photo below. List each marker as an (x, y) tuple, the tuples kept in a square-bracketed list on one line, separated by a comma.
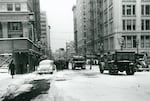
[(46, 67)]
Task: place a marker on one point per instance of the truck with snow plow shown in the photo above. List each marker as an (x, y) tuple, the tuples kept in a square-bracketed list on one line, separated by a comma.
[(118, 61)]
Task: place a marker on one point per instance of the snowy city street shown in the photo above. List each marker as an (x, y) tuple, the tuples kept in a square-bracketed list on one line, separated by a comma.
[(75, 85), (74, 50)]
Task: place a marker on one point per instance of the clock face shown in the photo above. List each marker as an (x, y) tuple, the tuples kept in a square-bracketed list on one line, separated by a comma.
[(31, 17)]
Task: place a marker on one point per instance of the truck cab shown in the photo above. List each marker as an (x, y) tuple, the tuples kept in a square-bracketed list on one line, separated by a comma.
[(78, 62)]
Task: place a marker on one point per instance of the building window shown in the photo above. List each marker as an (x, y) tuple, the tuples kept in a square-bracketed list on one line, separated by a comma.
[(124, 24), (145, 24), (134, 25), (129, 42), (145, 9), (142, 10), (145, 41), (133, 11), (10, 7), (17, 7), (123, 10), (128, 10), (134, 42), (1, 34), (142, 25), (15, 26), (129, 25)]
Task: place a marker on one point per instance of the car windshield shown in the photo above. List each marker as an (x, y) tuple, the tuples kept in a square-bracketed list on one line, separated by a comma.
[(46, 62), (125, 56), (78, 58)]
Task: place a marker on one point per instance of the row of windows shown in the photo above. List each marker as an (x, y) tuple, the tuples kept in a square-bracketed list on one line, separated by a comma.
[(145, 24), (131, 42), (130, 10), (130, 24), (12, 7), (145, 10), (15, 26), (145, 41)]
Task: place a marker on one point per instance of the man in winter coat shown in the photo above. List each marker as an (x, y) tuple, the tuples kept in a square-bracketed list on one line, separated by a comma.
[(12, 68)]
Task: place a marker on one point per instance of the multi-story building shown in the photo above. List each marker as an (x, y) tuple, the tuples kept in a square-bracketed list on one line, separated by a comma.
[(84, 29), (74, 9), (18, 33), (45, 34), (37, 23), (110, 25), (89, 26), (126, 25)]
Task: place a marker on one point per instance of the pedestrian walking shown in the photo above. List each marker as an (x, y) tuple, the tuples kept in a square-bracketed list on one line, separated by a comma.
[(12, 68)]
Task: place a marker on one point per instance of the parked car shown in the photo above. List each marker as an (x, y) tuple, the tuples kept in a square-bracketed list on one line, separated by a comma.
[(141, 65), (46, 67)]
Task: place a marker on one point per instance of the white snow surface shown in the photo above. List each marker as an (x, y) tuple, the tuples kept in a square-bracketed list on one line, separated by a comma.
[(90, 85), (82, 85), (20, 83)]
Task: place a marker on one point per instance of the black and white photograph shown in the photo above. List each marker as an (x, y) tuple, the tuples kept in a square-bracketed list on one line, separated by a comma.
[(74, 50)]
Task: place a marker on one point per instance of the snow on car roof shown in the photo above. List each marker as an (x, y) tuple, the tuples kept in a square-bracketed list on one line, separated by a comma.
[(46, 61)]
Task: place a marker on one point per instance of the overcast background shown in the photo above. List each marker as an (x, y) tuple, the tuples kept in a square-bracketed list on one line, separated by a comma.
[(60, 18)]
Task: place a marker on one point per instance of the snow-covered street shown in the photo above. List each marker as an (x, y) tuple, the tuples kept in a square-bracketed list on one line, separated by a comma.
[(90, 85), (81, 85)]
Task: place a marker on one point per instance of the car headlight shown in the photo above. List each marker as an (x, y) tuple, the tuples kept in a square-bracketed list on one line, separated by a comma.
[(131, 63)]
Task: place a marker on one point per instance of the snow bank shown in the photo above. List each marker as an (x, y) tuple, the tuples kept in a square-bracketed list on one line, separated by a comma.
[(18, 85)]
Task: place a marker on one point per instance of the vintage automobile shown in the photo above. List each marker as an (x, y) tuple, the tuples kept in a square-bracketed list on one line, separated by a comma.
[(46, 67), (61, 64), (78, 62), (118, 61), (142, 64)]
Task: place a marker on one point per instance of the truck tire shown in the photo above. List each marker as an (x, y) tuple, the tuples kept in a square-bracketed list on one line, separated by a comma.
[(110, 72), (73, 68), (130, 71), (101, 70)]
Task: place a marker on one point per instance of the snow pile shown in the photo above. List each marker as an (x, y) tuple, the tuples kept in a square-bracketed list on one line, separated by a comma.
[(18, 85)]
